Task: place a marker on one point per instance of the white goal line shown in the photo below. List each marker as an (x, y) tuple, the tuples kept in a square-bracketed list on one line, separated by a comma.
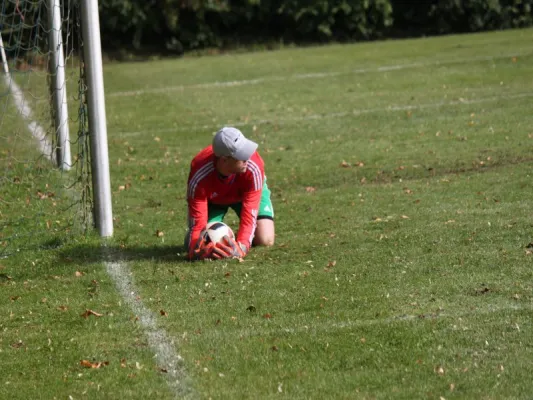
[(317, 75), (354, 113)]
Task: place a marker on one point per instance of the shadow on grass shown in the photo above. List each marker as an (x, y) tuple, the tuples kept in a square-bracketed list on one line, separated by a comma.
[(94, 253)]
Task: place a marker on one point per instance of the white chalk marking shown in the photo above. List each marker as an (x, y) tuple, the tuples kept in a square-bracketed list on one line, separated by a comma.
[(45, 146), (317, 75), (163, 347), (391, 108)]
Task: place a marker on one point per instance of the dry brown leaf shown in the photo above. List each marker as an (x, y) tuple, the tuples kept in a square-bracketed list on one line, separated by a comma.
[(267, 316), (331, 264), (345, 164), (62, 308), (405, 217), (439, 369), (14, 298), (78, 274), (123, 363), (310, 189), (163, 313), (88, 313), (88, 364), (159, 233)]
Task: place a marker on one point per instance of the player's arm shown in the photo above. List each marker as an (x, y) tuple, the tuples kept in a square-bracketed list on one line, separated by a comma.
[(197, 215), (248, 223)]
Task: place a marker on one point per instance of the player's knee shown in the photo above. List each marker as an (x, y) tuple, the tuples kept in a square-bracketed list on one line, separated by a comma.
[(264, 240)]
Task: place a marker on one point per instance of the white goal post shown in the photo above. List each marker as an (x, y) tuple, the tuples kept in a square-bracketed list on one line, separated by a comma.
[(90, 22)]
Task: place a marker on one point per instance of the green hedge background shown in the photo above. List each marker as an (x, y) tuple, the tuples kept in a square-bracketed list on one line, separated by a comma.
[(177, 26)]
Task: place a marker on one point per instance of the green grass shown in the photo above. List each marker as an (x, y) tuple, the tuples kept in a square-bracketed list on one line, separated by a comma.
[(403, 211)]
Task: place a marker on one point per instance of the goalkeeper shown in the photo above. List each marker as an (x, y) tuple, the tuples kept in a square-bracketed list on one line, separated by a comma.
[(228, 173)]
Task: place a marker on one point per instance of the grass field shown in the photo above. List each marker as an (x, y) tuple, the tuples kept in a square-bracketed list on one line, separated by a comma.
[(401, 178)]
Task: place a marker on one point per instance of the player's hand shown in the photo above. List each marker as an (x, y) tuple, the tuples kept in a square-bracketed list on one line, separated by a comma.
[(201, 249), (205, 251), (229, 248)]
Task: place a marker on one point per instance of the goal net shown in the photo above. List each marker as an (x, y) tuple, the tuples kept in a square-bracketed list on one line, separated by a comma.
[(44, 157)]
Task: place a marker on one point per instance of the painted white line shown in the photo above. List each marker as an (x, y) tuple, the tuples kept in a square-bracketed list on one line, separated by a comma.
[(354, 113), (317, 75), (45, 146), (160, 343), (351, 324)]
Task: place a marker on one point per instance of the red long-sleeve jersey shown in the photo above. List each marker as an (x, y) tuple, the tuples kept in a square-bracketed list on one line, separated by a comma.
[(206, 185)]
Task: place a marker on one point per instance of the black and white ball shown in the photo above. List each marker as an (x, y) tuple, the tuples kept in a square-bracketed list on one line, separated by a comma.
[(217, 230)]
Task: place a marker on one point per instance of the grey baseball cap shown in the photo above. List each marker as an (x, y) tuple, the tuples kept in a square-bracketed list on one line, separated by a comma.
[(230, 142)]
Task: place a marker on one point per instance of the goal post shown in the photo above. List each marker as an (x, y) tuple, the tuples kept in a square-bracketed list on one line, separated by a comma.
[(58, 85), (90, 23)]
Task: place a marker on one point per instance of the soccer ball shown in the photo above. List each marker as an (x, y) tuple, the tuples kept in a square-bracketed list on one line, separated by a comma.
[(217, 230)]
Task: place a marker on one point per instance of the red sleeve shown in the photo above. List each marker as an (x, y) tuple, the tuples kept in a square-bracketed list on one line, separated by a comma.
[(250, 207), (197, 213), (251, 200)]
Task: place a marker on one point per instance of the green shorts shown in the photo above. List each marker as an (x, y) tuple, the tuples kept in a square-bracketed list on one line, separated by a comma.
[(217, 212)]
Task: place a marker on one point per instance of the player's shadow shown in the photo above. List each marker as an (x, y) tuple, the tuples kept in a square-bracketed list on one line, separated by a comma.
[(93, 253)]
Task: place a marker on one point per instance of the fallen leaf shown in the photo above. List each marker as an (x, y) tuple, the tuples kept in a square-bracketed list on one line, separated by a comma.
[(88, 364), (439, 370), (267, 316), (159, 233), (78, 274), (310, 189), (344, 164), (123, 363), (331, 264), (14, 298), (88, 313), (163, 313)]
